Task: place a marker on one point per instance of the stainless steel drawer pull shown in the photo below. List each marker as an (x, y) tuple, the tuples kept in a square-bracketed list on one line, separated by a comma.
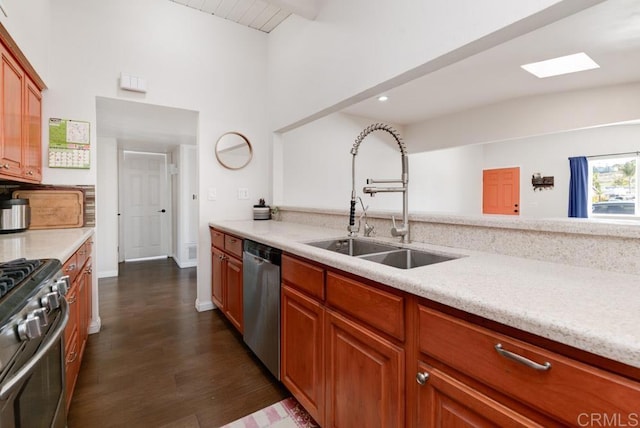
[(522, 360)]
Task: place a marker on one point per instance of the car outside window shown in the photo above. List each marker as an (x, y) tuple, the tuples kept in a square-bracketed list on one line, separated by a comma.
[(614, 186)]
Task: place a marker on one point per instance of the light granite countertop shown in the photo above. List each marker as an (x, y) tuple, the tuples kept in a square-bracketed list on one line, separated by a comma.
[(593, 310), (43, 244)]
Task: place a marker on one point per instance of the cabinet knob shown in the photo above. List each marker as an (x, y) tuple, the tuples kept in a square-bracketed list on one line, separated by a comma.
[(422, 378), (5, 166), (29, 172)]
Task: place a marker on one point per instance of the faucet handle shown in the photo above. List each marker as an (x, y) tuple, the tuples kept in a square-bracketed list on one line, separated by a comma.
[(403, 230)]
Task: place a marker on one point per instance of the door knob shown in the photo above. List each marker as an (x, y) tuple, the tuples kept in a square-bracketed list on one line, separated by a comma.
[(162, 211)]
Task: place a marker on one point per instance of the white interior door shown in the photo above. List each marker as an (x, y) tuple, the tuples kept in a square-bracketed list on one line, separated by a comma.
[(145, 211)]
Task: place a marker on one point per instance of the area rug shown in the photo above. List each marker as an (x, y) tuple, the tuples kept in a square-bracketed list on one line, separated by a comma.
[(287, 413)]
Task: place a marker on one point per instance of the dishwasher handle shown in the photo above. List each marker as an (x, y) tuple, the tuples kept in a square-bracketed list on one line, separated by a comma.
[(264, 252)]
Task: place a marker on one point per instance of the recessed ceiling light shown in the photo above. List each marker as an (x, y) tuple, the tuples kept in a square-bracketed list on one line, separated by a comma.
[(561, 65), (383, 98)]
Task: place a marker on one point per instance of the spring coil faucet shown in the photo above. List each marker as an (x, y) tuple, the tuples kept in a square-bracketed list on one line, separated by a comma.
[(403, 230)]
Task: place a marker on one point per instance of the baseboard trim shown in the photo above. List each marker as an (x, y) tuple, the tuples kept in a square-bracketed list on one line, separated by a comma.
[(183, 265), (142, 259), (95, 325), (108, 274), (204, 306)]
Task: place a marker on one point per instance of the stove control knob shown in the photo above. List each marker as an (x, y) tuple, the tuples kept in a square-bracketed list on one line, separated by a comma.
[(51, 301), (61, 286), (29, 328), (41, 314)]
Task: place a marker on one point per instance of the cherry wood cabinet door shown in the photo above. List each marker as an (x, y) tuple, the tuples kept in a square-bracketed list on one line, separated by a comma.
[(32, 154), (72, 323), (445, 402), (12, 105), (233, 291), (217, 277), (364, 376), (302, 365)]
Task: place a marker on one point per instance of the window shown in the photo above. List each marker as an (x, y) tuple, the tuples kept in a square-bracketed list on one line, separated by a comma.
[(614, 185)]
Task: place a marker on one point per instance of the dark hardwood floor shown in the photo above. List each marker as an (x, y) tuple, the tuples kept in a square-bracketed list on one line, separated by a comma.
[(157, 362)]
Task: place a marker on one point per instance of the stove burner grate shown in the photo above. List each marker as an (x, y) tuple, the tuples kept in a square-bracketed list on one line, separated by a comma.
[(15, 271)]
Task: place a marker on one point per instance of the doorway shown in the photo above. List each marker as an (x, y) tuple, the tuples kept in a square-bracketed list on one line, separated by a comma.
[(169, 133), (145, 219)]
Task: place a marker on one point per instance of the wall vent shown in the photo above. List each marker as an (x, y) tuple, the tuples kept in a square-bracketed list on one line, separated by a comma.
[(192, 252)]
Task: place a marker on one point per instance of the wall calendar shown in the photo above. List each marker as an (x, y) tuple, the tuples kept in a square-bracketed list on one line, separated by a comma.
[(69, 144)]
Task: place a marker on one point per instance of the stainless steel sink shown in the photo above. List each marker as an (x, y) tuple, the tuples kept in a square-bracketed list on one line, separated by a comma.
[(353, 246), (406, 258), (390, 255)]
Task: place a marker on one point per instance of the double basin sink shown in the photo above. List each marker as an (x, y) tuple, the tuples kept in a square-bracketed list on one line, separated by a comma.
[(386, 254)]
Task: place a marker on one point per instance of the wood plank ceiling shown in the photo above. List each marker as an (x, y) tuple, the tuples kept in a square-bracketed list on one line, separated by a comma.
[(259, 14)]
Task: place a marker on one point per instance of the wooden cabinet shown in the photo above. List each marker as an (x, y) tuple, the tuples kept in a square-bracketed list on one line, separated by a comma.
[(337, 358), (12, 115), (32, 150), (444, 401), (79, 298), (233, 281), (364, 376), (217, 271), (516, 377), (20, 122), (226, 276), (302, 349)]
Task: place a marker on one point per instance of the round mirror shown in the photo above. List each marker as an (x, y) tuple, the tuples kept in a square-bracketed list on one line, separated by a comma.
[(233, 150)]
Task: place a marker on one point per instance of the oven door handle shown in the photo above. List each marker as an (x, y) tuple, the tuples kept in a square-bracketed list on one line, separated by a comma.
[(8, 386)]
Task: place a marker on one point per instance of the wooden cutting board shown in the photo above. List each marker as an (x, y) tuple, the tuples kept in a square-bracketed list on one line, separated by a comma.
[(54, 209)]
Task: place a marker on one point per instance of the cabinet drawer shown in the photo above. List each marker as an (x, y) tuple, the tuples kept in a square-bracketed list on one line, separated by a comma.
[(567, 390), (233, 245), (217, 238), (304, 276), (377, 308)]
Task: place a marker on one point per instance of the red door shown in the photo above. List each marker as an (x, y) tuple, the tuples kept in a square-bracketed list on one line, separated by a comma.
[(501, 191)]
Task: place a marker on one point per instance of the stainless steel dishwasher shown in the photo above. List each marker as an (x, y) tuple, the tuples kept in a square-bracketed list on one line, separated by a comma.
[(261, 295)]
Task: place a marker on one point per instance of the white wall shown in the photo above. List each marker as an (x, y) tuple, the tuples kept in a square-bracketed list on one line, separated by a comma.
[(29, 24), (359, 47), (186, 225), (317, 163), (107, 209), (446, 181)]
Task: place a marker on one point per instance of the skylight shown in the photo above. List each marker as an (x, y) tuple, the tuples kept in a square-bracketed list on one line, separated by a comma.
[(561, 65)]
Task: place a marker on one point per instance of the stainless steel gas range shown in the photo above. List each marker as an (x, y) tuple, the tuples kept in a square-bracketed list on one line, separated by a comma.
[(33, 315)]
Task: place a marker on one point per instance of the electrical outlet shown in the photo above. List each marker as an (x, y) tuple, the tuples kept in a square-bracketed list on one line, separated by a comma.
[(243, 193)]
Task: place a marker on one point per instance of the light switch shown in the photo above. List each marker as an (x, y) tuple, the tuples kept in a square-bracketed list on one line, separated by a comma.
[(212, 194), (243, 193)]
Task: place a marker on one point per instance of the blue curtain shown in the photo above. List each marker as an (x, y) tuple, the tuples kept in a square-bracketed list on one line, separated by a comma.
[(579, 187)]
